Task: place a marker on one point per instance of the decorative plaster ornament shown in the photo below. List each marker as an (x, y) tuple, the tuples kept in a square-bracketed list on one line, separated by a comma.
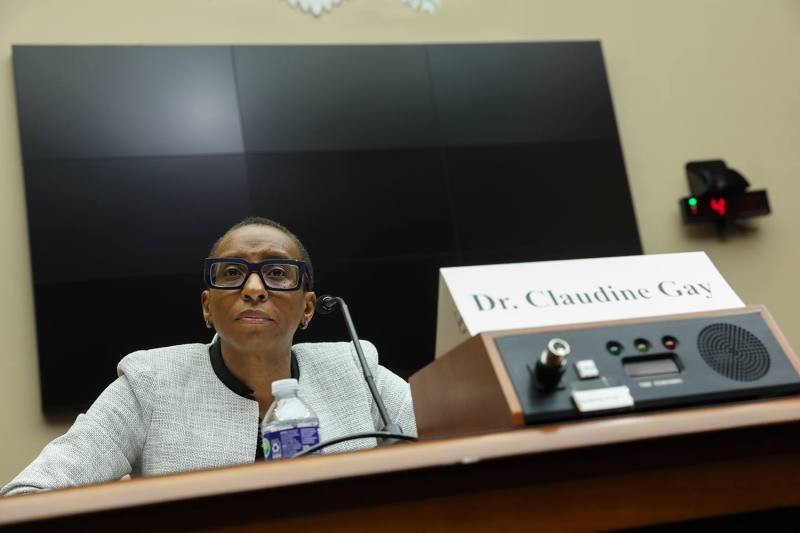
[(428, 6), (317, 7), (314, 6)]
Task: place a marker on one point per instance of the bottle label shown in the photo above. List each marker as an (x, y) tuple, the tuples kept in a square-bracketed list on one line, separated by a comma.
[(289, 442)]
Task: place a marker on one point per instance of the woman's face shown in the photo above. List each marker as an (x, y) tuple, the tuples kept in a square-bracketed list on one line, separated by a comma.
[(253, 318)]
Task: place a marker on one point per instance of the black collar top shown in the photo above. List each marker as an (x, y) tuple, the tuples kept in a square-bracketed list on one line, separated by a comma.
[(233, 383)]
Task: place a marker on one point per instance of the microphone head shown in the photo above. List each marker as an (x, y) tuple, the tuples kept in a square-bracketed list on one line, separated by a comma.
[(327, 304)]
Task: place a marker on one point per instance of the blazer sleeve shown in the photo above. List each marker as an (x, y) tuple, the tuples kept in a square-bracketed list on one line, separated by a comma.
[(103, 444), (396, 394)]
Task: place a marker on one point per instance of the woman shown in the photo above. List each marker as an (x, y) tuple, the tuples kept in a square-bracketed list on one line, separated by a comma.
[(198, 406)]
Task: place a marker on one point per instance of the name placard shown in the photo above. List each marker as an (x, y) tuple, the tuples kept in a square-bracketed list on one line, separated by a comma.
[(519, 295)]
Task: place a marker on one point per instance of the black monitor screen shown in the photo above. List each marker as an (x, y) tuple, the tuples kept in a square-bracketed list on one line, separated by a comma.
[(388, 162)]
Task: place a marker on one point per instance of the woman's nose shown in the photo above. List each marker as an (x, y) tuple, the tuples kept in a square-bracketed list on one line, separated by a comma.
[(254, 288)]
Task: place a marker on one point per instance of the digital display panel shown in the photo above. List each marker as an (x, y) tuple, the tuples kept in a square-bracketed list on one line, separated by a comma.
[(389, 162), (723, 207)]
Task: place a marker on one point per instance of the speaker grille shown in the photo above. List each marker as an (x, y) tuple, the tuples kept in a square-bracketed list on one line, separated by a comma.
[(733, 352)]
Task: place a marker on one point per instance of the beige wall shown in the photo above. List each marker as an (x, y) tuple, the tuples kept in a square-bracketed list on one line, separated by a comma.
[(690, 79)]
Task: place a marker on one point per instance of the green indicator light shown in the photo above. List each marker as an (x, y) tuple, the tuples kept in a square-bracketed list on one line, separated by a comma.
[(614, 348), (693, 202)]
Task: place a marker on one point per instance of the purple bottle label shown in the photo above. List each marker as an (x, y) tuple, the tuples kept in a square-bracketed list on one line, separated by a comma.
[(289, 442)]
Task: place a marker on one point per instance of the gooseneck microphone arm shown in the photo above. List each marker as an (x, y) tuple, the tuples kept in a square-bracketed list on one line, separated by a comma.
[(327, 304)]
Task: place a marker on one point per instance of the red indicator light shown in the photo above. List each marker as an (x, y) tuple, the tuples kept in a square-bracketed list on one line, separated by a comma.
[(669, 342), (718, 205)]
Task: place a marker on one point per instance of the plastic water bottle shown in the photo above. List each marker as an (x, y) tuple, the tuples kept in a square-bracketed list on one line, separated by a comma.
[(290, 426)]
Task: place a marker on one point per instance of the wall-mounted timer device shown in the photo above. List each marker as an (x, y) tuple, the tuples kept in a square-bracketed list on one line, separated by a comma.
[(719, 194)]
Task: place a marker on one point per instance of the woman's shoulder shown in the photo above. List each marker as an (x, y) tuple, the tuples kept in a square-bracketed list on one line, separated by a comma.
[(334, 353), (176, 359)]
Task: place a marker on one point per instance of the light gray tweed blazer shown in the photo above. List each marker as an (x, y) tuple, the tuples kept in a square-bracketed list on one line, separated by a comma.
[(168, 412)]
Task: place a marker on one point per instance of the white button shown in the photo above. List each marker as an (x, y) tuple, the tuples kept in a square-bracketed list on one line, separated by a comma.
[(586, 369)]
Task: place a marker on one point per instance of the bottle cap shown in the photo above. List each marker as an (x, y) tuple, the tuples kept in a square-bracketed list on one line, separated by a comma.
[(282, 386)]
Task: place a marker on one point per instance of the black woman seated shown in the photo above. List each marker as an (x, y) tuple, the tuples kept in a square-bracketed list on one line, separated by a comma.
[(198, 406)]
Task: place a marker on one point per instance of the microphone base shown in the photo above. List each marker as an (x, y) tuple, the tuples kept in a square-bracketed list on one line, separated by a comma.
[(391, 428)]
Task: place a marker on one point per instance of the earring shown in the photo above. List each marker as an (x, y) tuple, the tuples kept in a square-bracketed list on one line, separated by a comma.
[(208, 324), (303, 325)]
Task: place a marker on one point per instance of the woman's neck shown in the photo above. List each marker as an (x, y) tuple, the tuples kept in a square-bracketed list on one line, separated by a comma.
[(258, 370)]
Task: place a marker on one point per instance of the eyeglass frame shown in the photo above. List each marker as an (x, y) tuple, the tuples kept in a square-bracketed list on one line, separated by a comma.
[(209, 262)]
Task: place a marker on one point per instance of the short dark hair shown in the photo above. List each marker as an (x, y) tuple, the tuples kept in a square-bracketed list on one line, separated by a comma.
[(263, 221)]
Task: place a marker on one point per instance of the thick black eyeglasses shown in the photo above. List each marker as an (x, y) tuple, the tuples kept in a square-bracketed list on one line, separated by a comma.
[(231, 273)]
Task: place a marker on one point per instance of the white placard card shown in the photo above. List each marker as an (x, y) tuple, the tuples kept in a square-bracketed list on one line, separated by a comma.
[(520, 295)]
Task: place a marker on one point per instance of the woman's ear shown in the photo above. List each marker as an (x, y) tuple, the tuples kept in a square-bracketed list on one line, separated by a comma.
[(206, 307), (310, 304)]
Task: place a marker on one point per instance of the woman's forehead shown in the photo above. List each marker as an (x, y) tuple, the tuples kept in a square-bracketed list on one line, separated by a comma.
[(258, 241)]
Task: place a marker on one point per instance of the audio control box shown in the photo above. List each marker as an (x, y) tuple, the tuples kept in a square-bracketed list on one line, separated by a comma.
[(506, 379)]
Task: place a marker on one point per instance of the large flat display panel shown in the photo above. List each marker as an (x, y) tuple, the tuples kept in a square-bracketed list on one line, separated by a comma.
[(389, 162)]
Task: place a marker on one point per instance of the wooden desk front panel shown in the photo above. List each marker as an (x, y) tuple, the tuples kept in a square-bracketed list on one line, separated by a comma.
[(603, 487)]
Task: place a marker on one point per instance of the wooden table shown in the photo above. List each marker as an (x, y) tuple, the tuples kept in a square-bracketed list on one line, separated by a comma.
[(609, 473)]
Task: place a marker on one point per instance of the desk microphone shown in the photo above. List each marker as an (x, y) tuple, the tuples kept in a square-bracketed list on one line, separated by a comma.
[(327, 304)]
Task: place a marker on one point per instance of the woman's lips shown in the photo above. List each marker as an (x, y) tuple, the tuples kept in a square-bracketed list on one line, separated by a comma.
[(253, 317), (254, 320)]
